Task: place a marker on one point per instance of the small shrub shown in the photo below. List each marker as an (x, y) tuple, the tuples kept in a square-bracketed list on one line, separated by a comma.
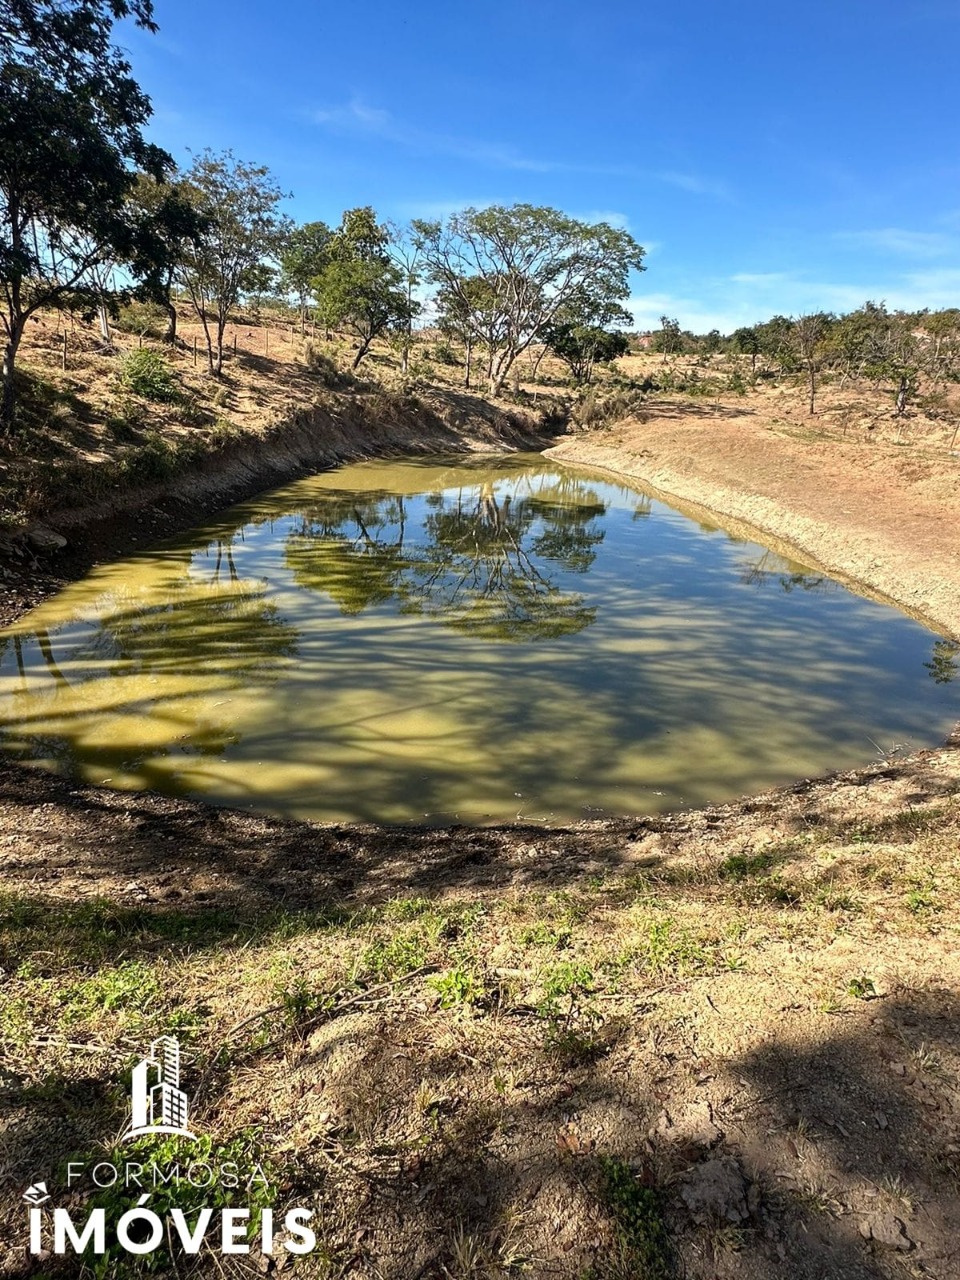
[(443, 353), (861, 988), (458, 986), (147, 374), (323, 365), (147, 318), (644, 1247)]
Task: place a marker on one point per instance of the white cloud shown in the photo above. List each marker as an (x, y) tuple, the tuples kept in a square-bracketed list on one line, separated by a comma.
[(358, 117), (443, 208), (897, 240), (611, 216), (696, 184)]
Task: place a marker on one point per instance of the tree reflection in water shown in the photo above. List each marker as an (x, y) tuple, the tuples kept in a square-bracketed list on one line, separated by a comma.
[(210, 630), (469, 559)]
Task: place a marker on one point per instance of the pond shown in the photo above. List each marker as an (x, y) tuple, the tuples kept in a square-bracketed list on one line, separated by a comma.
[(451, 640)]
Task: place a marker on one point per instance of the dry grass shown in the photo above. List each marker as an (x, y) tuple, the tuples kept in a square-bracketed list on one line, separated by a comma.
[(522, 1075)]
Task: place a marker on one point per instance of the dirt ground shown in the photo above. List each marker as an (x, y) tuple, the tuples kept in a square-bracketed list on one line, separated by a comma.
[(721, 1043)]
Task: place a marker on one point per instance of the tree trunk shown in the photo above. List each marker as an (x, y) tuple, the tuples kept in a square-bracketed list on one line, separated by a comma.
[(467, 363), (813, 387), (171, 333), (902, 395), (361, 351), (104, 322), (8, 408)]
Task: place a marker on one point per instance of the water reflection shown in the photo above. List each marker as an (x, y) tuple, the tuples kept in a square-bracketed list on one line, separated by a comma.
[(472, 639), (473, 560), (943, 666)]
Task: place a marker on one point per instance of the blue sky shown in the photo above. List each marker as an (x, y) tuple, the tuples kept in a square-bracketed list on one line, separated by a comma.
[(770, 158)]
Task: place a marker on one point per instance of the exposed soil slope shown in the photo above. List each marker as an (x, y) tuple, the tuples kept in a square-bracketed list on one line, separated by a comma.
[(884, 515)]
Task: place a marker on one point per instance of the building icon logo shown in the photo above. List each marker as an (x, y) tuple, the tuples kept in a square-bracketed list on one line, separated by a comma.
[(159, 1104)]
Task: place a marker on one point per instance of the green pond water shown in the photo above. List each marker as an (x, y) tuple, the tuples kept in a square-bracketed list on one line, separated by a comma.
[(464, 640)]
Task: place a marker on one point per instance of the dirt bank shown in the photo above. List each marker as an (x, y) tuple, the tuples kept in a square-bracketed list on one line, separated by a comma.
[(879, 514)]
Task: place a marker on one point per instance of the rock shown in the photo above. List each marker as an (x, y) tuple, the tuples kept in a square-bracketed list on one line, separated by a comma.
[(887, 1230), (41, 538), (716, 1189)]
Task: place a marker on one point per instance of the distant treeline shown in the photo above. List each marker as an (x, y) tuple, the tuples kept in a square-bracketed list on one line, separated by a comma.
[(907, 348)]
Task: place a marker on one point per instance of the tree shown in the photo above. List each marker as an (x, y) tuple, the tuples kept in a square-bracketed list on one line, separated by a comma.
[(238, 203), (168, 222), (776, 339), (944, 330), (532, 262), (464, 311), (71, 121), (669, 340), (360, 289), (406, 253), (809, 334), (747, 342), (581, 347), (302, 259)]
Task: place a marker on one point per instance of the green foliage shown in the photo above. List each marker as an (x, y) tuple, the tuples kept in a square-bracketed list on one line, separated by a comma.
[(861, 988), (238, 205), (147, 374), (668, 339), (645, 1248), (71, 120), (360, 288), (303, 257), (741, 866), (943, 665), (668, 948), (130, 986), (544, 934), (395, 957), (459, 986), (138, 317), (507, 274), (581, 347)]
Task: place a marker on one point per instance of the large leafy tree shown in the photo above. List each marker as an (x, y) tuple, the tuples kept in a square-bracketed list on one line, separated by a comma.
[(71, 121), (746, 341), (582, 347), (533, 262), (361, 290), (169, 225), (238, 203)]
